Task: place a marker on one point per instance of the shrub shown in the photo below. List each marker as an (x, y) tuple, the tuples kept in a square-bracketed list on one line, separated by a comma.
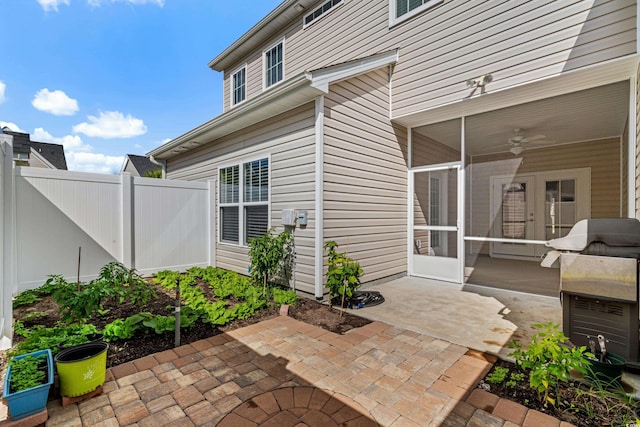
[(270, 257), (343, 274), (548, 360)]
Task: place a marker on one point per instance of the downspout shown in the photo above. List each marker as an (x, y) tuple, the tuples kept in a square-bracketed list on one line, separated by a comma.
[(632, 203), (162, 164), (319, 193)]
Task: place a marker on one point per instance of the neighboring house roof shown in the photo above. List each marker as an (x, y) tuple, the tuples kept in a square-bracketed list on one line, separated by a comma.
[(21, 141), (142, 164), (52, 153), (291, 93)]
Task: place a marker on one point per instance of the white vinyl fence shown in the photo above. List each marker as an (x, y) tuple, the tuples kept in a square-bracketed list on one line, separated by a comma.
[(145, 223)]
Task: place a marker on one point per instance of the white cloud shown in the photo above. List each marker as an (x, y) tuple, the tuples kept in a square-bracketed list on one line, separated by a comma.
[(71, 143), (14, 127), (111, 124), (94, 162), (48, 5), (2, 89), (101, 2), (57, 102), (80, 156)]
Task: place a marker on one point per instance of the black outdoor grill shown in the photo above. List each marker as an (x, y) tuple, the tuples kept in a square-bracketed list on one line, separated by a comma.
[(599, 282)]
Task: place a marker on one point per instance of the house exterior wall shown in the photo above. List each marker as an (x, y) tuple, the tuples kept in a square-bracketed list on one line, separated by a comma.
[(365, 176), (602, 157), (36, 162), (131, 169), (289, 140), (442, 47), (637, 135)]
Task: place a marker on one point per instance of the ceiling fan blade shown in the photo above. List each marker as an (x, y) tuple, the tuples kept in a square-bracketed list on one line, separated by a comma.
[(536, 137)]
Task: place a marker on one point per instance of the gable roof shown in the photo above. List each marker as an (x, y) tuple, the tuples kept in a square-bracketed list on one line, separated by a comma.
[(266, 28), (142, 164), (285, 96), (52, 153)]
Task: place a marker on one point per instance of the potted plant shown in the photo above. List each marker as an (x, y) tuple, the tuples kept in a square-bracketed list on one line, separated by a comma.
[(27, 382), (603, 367)]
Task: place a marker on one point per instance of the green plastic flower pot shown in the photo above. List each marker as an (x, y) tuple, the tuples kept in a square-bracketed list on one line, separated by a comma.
[(607, 373), (81, 369)]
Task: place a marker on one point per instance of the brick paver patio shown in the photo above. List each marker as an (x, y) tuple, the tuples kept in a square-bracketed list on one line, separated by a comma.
[(282, 372)]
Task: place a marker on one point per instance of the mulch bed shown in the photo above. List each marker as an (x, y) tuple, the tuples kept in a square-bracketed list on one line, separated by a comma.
[(576, 402)]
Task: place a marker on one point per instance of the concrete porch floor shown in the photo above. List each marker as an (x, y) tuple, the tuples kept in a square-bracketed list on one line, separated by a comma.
[(477, 317)]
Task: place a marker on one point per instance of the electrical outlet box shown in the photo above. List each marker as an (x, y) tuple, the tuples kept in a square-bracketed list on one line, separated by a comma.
[(289, 217), (302, 218)]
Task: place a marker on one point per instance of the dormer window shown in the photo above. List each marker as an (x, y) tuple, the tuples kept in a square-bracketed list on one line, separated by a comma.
[(399, 10), (274, 64), (239, 86)]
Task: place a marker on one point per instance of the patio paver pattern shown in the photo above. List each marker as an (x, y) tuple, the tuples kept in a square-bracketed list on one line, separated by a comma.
[(282, 372)]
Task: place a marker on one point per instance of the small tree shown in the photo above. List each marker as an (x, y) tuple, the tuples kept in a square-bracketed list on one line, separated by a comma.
[(154, 173), (269, 256), (343, 274)]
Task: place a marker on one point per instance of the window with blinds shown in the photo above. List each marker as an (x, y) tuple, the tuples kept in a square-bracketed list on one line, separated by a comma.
[(274, 64), (229, 198), (238, 89), (401, 9), (246, 217)]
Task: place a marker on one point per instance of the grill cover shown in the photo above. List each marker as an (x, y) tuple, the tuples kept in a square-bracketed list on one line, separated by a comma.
[(604, 232)]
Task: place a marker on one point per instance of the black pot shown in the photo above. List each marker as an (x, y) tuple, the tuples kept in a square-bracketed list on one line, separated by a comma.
[(607, 372)]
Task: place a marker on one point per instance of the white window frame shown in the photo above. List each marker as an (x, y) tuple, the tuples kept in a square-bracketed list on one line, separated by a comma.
[(241, 203), (232, 89), (322, 15), (393, 20), (264, 64)]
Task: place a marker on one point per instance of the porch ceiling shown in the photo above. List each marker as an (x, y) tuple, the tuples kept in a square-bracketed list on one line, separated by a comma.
[(586, 115)]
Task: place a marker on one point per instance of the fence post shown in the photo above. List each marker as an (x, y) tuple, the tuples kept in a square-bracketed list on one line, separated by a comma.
[(211, 221), (7, 240), (127, 221)]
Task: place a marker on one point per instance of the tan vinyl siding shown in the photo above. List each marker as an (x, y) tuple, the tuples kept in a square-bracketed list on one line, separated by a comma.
[(289, 140), (365, 173), (35, 162), (637, 133), (602, 157), (130, 169), (443, 47)]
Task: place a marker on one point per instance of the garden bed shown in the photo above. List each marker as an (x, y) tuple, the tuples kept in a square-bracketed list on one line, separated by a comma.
[(570, 397), (46, 312)]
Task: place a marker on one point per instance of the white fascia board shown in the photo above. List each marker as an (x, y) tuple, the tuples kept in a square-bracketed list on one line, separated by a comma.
[(256, 109), (322, 78), (42, 159), (572, 81)]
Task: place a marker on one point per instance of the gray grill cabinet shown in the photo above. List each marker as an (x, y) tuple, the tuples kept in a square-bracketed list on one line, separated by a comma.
[(599, 282)]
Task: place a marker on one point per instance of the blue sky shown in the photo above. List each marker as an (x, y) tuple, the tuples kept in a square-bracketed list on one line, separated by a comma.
[(107, 78)]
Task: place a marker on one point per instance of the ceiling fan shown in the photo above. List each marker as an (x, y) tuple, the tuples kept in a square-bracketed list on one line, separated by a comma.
[(519, 141)]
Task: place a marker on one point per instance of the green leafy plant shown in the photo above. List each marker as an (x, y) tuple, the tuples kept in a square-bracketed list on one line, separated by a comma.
[(285, 296), (154, 173), (127, 284), (78, 301), (514, 379), (548, 360), (498, 375), (343, 274), (26, 373), (160, 324), (26, 298), (123, 328), (270, 257), (40, 337)]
